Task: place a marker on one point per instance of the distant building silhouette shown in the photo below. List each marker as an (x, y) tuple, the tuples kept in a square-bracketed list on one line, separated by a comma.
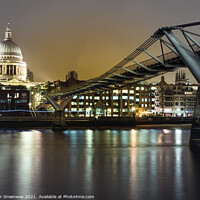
[(72, 74), (30, 76)]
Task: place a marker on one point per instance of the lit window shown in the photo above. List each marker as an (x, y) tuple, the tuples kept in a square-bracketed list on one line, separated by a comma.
[(124, 97), (137, 88), (153, 88), (115, 97), (142, 88), (137, 100), (20, 101), (125, 91), (16, 95), (131, 91), (3, 100), (74, 97)]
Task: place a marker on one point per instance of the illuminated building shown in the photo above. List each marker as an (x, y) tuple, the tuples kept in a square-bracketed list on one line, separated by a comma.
[(13, 98), (12, 65), (175, 100), (119, 102), (14, 76), (144, 99), (13, 69)]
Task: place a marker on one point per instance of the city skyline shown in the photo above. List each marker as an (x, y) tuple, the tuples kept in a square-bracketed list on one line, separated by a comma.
[(87, 36)]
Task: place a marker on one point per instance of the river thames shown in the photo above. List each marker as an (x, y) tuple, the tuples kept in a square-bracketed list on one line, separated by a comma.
[(144, 163)]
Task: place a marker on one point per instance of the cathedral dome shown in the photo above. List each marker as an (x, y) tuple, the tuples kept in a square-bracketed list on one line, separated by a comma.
[(8, 47), (12, 65)]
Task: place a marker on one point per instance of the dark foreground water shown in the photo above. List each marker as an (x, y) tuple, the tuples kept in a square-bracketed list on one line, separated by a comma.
[(139, 164)]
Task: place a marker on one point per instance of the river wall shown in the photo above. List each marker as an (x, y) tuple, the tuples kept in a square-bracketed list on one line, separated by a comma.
[(47, 122)]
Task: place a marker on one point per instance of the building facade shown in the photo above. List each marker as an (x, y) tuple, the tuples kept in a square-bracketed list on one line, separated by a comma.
[(117, 102), (175, 100), (144, 99), (13, 99)]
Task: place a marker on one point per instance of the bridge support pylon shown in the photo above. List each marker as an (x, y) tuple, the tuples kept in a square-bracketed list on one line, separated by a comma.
[(59, 115), (195, 130), (192, 61)]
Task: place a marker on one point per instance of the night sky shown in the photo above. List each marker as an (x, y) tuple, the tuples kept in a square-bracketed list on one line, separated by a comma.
[(88, 36)]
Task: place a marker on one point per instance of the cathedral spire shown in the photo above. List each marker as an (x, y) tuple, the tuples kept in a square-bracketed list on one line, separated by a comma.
[(8, 33)]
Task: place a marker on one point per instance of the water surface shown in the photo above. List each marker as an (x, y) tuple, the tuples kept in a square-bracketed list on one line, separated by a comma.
[(137, 164)]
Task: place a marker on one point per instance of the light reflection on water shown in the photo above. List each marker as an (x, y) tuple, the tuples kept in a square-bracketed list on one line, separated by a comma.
[(110, 164), (131, 138)]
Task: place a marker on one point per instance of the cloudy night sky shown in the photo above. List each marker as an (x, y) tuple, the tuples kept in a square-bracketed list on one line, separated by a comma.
[(88, 36)]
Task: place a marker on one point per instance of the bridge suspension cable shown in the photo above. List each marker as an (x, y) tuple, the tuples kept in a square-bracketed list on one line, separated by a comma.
[(130, 71)]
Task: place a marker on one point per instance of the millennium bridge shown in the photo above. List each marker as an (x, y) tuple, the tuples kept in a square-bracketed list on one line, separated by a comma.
[(177, 46)]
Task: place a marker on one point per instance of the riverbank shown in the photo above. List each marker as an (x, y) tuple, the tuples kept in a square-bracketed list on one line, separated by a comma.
[(92, 123)]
